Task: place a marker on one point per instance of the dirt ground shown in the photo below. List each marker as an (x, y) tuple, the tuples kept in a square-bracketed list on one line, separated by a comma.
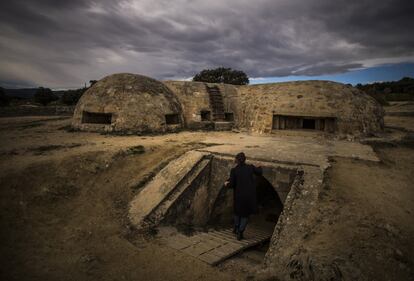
[(64, 201), (367, 226)]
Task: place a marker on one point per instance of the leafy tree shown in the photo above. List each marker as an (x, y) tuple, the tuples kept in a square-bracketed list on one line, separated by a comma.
[(71, 97), (4, 99), (44, 96), (222, 75)]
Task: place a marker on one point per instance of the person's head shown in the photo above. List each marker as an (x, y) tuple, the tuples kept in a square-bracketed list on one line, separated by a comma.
[(240, 158)]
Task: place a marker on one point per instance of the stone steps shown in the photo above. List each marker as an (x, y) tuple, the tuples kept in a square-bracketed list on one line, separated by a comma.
[(216, 103)]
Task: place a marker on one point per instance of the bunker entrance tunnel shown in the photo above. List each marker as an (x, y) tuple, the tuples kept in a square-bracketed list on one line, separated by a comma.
[(207, 204)]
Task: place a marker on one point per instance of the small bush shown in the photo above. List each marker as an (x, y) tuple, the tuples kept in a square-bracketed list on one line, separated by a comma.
[(71, 97), (44, 96)]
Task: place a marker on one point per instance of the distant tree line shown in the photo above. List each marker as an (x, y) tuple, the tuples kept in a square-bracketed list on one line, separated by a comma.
[(71, 97), (4, 99), (222, 75), (390, 91), (43, 96)]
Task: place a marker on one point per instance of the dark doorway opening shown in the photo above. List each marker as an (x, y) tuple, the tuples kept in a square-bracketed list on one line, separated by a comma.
[(309, 124), (172, 119), (96, 118), (205, 115), (229, 116), (269, 204)]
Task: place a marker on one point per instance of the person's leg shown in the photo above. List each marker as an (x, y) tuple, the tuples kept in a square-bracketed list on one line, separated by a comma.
[(236, 223), (242, 227)]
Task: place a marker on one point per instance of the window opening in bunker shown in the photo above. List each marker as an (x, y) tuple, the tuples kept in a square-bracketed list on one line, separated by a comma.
[(205, 115), (229, 116), (96, 118), (172, 119), (286, 122), (309, 124)]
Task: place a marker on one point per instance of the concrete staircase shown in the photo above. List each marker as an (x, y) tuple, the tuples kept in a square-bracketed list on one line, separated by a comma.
[(216, 103)]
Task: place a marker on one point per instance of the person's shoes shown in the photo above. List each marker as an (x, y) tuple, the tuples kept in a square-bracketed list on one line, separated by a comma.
[(240, 236)]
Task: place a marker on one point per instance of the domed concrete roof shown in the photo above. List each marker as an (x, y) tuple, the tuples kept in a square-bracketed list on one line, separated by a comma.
[(354, 111), (128, 102)]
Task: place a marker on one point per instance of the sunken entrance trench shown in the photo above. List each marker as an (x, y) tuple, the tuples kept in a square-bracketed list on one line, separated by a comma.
[(206, 204)]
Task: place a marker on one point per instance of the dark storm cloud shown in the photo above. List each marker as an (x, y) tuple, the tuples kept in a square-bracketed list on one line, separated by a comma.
[(64, 43)]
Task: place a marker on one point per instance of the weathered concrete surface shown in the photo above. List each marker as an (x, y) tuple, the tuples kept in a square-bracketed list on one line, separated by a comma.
[(356, 112), (294, 226), (187, 203), (194, 98), (311, 150), (161, 186)]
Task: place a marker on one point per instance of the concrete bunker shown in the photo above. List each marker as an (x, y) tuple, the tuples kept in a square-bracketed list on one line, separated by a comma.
[(140, 104), (207, 203), (130, 103), (198, 202)]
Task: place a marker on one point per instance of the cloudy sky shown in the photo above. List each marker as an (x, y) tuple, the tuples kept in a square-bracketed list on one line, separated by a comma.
[(58, 43)]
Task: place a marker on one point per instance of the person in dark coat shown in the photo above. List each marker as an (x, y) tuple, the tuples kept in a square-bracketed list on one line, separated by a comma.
[(242, 181)]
